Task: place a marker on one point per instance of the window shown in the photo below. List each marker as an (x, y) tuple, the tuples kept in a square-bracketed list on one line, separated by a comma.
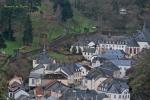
[(128, 96), (11, 95), (119, 96), (125, 96), (130, 50), (125, 69), (114, 96), (32, 81), (134, 50), (120, 73), (85, 81)]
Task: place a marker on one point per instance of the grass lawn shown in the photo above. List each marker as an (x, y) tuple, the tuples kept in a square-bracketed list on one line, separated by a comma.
[(59, 57), (79, 23), (11, 46), (65, 58)]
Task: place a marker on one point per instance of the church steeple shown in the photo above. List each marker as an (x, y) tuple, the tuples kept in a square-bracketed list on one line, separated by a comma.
[(44, 48), (44, 42), (144, 27)]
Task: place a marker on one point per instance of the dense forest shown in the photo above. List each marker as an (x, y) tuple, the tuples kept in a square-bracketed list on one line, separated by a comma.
[(23, 21)]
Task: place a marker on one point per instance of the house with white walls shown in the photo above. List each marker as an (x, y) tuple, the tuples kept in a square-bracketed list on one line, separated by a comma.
[(99, 43), (115, 89), (99, 74)]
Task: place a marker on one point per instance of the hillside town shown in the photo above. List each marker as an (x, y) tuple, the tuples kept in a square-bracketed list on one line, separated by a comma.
[(102, 75)]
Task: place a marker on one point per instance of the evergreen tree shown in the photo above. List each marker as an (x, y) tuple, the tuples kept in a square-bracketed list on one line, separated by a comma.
[(66, 10), (6, 19), (115, 6), (27, 34), (2, 42)]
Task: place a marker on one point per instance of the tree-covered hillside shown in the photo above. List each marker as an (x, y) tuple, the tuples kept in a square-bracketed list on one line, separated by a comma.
[(61, 17), (23, 22), (116, 15), (139, 79)]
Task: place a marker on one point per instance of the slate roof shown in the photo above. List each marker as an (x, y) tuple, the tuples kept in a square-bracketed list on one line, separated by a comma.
[(69, 68), (113, 54), (121, 62), (89, 50), (113, 39), (57, 75), (23, 97), (110, 66), (52, 98), (53, 66), (56, 87), (113, 86), (120, 40), (132, 42), (98, 58), (106, 70), (143, 35), (34, 75), (43, 58), (95, 74), (139, 36), (87, 67), (38, 67), (73, 94)]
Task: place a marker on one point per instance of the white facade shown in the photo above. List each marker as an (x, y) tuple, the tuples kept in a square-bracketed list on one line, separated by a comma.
[(19, 93), (96, 64), (35, 82), (84, 71), (143, 45), (125, 95), (123, 70), (112, 46), (92, 84), (88, 55)]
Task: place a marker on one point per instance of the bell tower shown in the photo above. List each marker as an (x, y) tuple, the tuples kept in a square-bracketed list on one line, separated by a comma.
[(44, 41)]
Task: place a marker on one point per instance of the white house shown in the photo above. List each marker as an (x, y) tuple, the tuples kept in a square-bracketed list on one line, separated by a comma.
[(84, 69), (89, 52), (20, 93), (35, 79), (142, 39), (97, 75), (15, 84), (97, 61), (115, 89)]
